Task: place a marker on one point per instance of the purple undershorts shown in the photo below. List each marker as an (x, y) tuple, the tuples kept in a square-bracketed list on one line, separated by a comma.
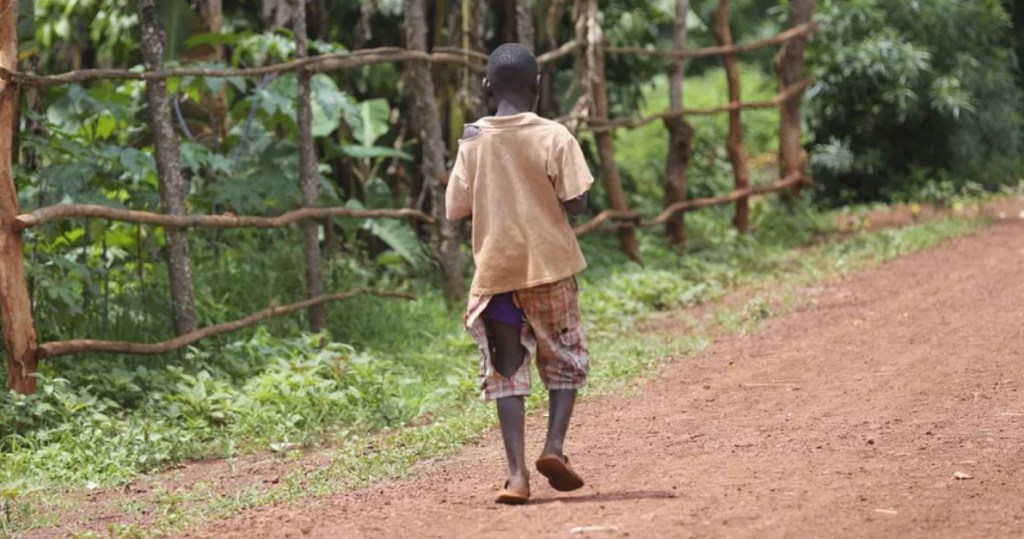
[(502, 308)]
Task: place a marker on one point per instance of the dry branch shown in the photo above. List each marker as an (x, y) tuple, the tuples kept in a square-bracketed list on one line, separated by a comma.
[(729, 198), (598, 125), (482, 56), (795, 32), (66, 348), (566, 49), (351, 60), (630, 219), (316, 64), (65, 211)]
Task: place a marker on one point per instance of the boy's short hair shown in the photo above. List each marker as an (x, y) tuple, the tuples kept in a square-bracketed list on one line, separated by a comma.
[(512, 67)]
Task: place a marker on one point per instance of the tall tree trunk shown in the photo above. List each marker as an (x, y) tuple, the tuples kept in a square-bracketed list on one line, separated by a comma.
[(789, 65), (548, 92), (589, 31), (425, 118), (474, 21), (524, 23), (309, 176), (680, 133), (213, 14), (734, 147), (15, 306), (173, 187), (510, 21)]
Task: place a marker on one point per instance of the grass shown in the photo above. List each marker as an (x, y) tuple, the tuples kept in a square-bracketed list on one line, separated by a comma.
[(294, 394)]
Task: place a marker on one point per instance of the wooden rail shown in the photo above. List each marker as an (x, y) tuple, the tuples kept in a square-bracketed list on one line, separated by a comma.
[(792, 33), (66, 211), (604, 124), (631, 219), (79, 346)]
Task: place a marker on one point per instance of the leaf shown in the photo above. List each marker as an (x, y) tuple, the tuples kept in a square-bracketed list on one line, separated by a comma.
[(328, 103), (176, 18), (369, 120), (378, 194), (399, 236), (390, 258), (213, 38), (373, 152)]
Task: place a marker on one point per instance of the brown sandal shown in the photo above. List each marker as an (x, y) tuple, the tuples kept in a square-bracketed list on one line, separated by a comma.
[(509, 496), (560, 474)]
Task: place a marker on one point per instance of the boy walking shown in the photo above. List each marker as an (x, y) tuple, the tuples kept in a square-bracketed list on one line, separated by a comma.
[(518, 175)]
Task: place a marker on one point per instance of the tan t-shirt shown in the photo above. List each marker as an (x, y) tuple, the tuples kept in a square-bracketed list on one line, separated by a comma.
[(513, 178)]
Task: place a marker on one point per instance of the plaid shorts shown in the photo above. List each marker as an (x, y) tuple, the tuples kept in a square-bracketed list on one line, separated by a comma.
[(553, 332)]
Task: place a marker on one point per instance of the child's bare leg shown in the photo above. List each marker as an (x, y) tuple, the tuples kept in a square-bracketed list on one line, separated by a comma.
[(560, 405), (507, 354)]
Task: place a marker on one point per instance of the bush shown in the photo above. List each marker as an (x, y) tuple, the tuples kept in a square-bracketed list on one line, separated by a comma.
[(909, 93)]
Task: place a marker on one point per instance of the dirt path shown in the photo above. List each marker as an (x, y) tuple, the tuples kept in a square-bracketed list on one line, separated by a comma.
[(847, 418)]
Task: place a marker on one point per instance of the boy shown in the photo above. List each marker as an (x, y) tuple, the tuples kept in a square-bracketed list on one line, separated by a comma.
[(517, 175)]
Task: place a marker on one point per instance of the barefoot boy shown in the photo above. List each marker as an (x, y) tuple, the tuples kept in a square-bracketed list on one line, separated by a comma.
[(517, 175)]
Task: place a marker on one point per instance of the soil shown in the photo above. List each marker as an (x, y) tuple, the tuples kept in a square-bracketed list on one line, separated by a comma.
[(892, 405)]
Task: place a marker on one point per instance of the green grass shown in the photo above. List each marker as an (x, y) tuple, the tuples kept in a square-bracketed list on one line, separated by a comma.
[(101, 427)]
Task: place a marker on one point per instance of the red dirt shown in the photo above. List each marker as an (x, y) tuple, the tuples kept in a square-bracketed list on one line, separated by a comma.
[(848, 417)]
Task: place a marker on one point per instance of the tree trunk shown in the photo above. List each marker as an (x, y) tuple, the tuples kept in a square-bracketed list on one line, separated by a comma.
[(734, 147), (789, 65), (680, 133), (173, 187), (309, 177), (548, 92), (524, 23), (424, 116), (15, 306), (510, 21), (474, 22), (589, 30), (213, 14)]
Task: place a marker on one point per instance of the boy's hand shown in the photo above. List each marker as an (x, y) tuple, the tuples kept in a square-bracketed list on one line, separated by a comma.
[(576, 206)]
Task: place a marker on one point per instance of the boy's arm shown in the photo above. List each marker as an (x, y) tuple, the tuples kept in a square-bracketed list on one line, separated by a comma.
[(576, 206), (458, 196), (571, 175)]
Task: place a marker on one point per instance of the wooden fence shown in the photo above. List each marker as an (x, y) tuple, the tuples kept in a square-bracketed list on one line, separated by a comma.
[(590, 113)]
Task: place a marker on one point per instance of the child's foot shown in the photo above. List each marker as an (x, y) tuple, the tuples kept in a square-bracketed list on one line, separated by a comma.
[(515, 492), (560, 474)]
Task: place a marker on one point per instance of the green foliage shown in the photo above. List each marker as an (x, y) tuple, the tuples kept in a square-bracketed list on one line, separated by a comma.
[(912, 92), (105, 422)]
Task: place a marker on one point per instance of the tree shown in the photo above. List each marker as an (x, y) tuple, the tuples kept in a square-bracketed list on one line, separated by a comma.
[(309, 176), (15, 307), (173, 187), (588, 31), (911, 93), (734, 147), (789, 65), (680, 133), (424, 116)]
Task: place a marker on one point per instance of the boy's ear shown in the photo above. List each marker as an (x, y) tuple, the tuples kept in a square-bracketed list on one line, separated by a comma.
[(536, 85), (487, 87)]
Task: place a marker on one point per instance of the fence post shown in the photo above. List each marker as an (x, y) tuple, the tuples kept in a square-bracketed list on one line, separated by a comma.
[(309, 176), (680, 133), (428, 125), (15, 306), (173, 187), (734, 147), (789, 65), (589, 31)]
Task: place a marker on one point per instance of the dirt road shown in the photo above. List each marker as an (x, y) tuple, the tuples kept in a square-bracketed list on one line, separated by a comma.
[(851, 417)]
